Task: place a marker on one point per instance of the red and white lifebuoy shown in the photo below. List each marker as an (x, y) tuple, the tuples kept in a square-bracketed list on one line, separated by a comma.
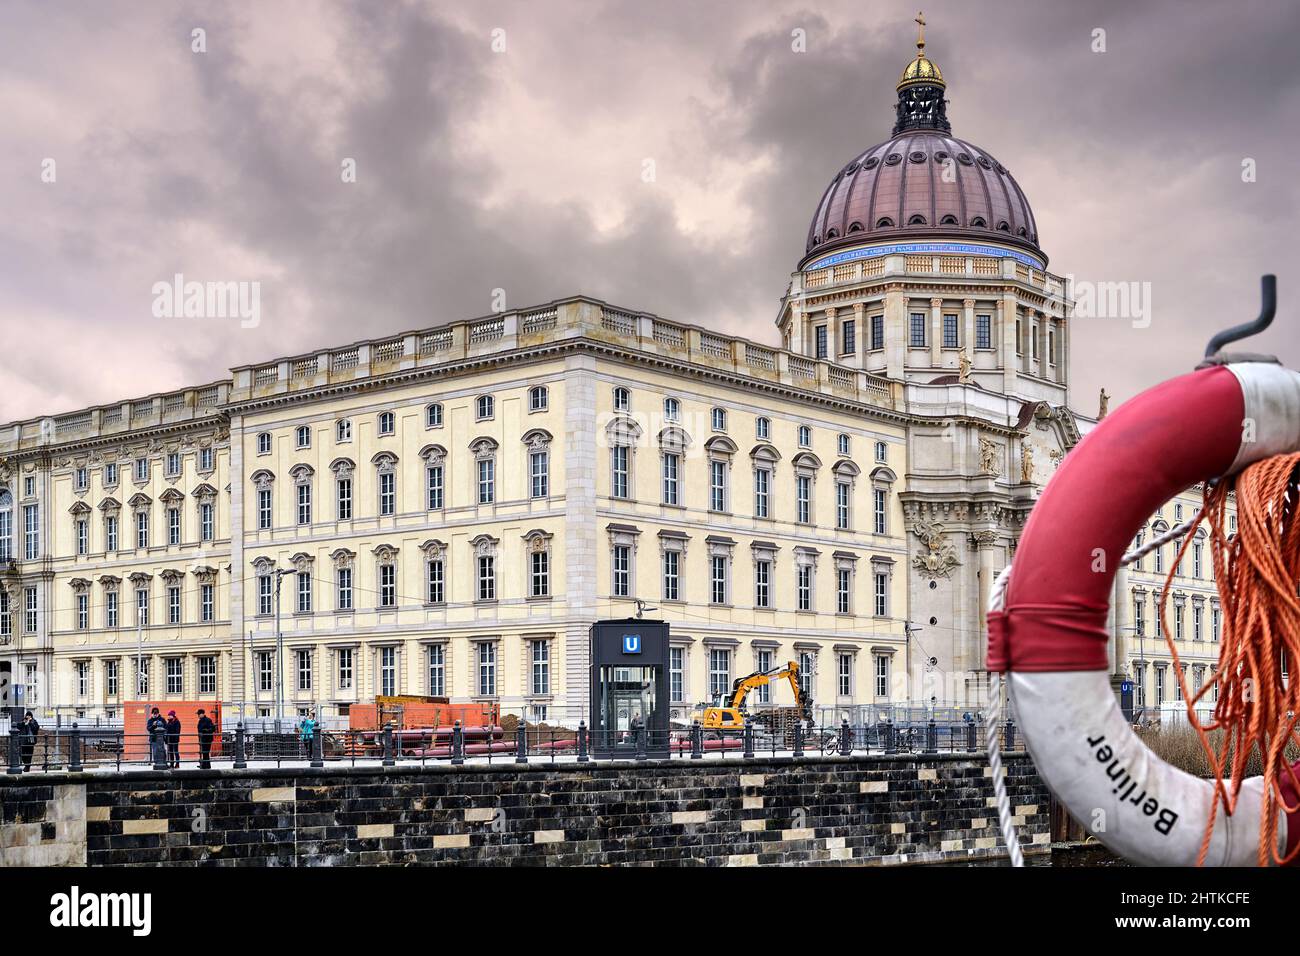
[(1051, 635)]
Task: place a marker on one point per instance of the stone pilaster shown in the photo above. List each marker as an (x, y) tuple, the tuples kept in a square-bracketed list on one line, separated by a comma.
[(579, 531)]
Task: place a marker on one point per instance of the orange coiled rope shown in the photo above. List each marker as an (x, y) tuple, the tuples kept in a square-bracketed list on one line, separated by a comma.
[(1257, 571)]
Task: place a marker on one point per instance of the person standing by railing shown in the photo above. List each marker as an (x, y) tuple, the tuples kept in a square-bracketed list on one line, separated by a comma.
[(173, 740), (307, 730), (156, 727), (29, 730), (206, 729)]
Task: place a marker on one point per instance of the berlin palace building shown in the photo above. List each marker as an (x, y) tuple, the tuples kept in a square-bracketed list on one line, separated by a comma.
[(447, 511)]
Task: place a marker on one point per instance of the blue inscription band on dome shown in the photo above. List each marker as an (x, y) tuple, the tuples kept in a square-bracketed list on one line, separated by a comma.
[(940, 248)]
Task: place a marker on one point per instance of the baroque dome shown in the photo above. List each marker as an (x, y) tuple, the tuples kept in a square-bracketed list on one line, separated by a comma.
[(923, 183)]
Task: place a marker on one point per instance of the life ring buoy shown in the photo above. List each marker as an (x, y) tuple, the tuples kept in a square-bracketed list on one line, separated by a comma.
[(1052, 635)]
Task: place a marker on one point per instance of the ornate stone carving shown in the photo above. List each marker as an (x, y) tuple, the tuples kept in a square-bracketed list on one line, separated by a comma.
[(939, 557), (989, 454), (963, 365), (1026, 460)]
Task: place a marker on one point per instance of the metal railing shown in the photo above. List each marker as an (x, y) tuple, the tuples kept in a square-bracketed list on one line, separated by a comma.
[(513, 741)]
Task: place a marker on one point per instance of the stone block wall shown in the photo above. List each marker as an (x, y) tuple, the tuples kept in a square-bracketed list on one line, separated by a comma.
[(870, 810)]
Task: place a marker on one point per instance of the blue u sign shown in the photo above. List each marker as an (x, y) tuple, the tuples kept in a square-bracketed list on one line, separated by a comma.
[(631, 643)]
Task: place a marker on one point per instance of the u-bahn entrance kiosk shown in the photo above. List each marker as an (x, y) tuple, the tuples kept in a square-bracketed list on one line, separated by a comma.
[(629, 687)]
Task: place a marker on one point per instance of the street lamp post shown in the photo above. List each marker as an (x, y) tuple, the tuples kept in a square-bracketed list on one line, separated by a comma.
[(279, 655)]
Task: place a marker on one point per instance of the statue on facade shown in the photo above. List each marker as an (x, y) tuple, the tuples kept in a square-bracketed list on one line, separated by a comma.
[(1026, 461), (1103, 405), (939, 557), (963, 365), (989, 456)]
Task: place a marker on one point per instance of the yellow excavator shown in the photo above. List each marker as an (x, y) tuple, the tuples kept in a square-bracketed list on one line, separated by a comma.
[(728, 711)]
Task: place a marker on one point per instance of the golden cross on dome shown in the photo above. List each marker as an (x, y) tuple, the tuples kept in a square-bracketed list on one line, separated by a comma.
[(920, 34)]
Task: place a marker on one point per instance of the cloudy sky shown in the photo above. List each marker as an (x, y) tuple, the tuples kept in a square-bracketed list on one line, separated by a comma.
[(521, 168)]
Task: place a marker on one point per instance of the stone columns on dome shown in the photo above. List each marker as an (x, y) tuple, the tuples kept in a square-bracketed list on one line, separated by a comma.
[(968, 330), (895, 332), (936, 333), (1007, 321)]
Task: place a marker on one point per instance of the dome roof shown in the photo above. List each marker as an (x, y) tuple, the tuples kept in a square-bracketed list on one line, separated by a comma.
[(924, 183), (921, 70), (897, 190)]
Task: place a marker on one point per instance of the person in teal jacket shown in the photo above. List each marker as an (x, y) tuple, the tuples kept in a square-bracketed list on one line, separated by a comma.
[(307, 730)]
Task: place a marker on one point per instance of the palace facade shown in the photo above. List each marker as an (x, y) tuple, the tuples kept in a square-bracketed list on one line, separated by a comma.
[(446, 511)]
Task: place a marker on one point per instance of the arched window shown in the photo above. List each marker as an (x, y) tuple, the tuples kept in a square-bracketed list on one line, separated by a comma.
[(6, 525), (882, 452), (842, 444), (264, 443), (538, 398), (387, 423), (805, 436), (622, 400), (484, 408), (302, 436), (672, 410), (763, 428), (433, 415), (343, 429), (916, 220), (884, 223), (948, 220), (718, 418)]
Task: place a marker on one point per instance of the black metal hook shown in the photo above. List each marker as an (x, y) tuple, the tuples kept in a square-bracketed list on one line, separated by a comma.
[(1268, 295)]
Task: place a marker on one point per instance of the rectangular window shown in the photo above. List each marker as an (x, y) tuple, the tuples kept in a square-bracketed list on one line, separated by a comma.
[(487, 578), (845, 675), (487, 669), (142, 469), (110, 475), (173, 464), (950, 331), (849, 341), (882, 675), (344, 601), (803, 586), (487, 479), (762, 492), (1198, 615), (762, 582), (677, 673), (388, 671), (387, 493), (878, 510), (763, 660), (110, 678), (437, 670), (263, 509), (304, 670), (304, 504), (717, 486), (345, 499), (264, 594), (29, 610), (205, 459), (206, 609), (83, 536), (264, 676), (175, 682), (437, 581), (83, 678), (387, 585), (541, 573), (142, 607), (142, 529), (842, 505), (345, 668), (142, 676), (843, 590), (820, 334), (882, 594), (205, 521), (541, 676), (433, 482), (83, 611), (1160, 685), (672, 565), (719, 672), (619, 472), (207, 675), (622, 565), (539, 474), (983, 331), (110, 533), (670, 466), (81, 479), (304, 592), (718, 578), (877, 332), (916, 327), (31, 532), (110, 609), (803, 498), (173, 604)]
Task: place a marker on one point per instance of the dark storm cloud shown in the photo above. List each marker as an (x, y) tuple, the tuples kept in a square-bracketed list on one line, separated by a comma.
[(522, 170)]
